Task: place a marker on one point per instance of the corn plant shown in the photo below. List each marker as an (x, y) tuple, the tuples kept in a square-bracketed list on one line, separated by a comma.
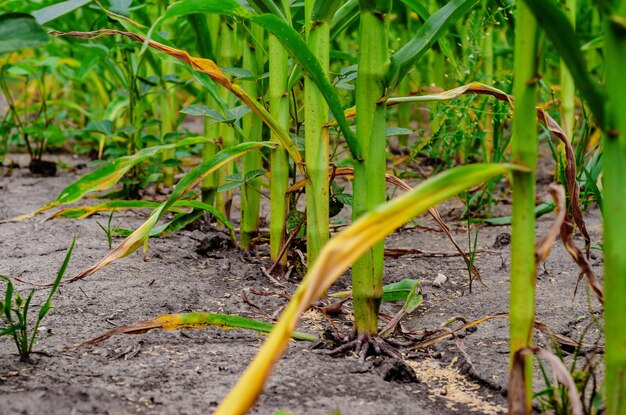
[(293, 41)]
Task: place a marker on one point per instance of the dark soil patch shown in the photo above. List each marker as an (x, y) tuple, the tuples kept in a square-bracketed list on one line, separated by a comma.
[(190, 371)]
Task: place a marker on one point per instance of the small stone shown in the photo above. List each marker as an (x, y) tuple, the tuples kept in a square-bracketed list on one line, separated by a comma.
[(227, 295), (440, 280)]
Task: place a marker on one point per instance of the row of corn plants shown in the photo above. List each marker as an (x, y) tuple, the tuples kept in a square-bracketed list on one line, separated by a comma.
[(243, 108)]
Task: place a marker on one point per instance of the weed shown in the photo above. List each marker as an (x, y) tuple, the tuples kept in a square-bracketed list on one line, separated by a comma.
[(15, 312)]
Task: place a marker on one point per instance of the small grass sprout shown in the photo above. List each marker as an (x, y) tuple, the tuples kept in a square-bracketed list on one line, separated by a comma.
[(15, 312)]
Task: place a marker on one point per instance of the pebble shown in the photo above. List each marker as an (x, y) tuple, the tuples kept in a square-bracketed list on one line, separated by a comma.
[(440, 280)]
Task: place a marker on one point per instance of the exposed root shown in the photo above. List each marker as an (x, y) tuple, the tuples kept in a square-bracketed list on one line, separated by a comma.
[(364, 345)]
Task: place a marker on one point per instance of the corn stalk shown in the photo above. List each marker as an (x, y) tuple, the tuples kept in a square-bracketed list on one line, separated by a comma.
[(252, 129), (524, 152), (614, 213), (319, 14), (369, 173), (279, 161)]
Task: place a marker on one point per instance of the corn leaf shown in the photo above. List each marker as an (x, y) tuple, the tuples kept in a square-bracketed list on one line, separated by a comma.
[(344, 17), (426, 36), (269, 6), (552, 19), (131, 243), (337, 255), (422, 10), (396, 291), (107, 175), (19, 31), (195, 320), (47, 14)]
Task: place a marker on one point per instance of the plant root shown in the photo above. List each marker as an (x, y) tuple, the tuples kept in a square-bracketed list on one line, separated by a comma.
[(364, 345)]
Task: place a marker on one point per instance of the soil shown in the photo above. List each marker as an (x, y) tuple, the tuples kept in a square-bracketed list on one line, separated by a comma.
[(190, 371)]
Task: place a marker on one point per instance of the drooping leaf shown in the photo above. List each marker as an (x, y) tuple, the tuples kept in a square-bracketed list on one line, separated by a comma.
[(47, 14), (19, 31), (426, 36), (131, 243), (108, 175), (195, 320), (337, 255)]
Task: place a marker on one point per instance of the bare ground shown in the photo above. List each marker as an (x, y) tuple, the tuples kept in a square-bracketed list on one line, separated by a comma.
[(190, 371)]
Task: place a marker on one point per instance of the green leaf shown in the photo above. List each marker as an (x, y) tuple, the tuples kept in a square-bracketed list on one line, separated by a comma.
[(226, 7), (47, 14), (100, 126), (8, 299), (399, 291), (426, 36), (46, 306), (552, 19), (253, 174), (391, 131), (345, 16), (19, 31), (541, 209), (203, 111), (230, 186), (421, 9), (268, 6)]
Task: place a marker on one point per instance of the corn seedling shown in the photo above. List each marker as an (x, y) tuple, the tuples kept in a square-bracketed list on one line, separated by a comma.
[(15, 312)]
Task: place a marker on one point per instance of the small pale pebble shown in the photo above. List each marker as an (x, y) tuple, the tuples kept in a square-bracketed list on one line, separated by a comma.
[(440, 280), (227, 295)]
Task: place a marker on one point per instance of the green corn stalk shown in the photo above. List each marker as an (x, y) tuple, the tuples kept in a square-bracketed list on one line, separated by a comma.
[(279, 161), (209, 185), (319, 14), (404, 87), (252, 131), (568, 94), (524, 152), (168, 122), (488, 67), (614, 213), (228, 48), (369, 173), (167, 104)]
